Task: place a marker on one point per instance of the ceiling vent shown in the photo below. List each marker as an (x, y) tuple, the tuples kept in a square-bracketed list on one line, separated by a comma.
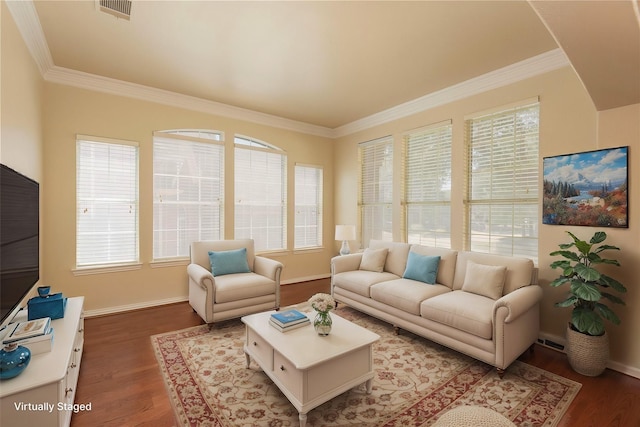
[(117, 8)]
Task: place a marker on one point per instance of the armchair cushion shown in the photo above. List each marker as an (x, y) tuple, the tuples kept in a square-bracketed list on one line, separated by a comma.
[(234, 287), (229, 262)]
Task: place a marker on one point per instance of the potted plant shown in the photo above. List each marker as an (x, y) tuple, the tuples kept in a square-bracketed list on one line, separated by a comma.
[(587, 340)]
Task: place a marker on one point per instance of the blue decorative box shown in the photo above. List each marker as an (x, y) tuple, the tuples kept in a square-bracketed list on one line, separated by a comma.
[(52, 306)]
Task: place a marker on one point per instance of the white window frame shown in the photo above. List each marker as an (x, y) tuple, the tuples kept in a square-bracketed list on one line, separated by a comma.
[(308, 206), (107, 203), (427, 185), (188, 190), (260, 185), (502, 194), (375, 198)]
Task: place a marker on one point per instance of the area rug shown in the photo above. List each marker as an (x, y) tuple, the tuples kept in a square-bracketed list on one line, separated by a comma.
[(416, 381)]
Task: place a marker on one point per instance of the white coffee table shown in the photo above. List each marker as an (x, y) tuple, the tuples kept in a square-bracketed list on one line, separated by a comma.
[(310, 369)]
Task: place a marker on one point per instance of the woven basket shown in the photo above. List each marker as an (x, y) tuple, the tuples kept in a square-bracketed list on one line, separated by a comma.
[(587, 355)]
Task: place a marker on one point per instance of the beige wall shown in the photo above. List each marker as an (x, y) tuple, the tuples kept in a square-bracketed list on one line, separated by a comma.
[(21, 133), (620, 127), (568, 123), (21, 94), (71, 111)]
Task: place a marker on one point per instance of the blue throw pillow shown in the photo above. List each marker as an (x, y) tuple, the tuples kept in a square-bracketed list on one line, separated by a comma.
[(229, 262), (423, 268)]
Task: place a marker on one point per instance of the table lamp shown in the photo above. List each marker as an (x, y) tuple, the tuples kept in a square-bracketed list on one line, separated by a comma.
[(345, 233)]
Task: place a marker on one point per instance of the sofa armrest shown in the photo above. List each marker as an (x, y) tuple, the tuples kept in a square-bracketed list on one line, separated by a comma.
[(518, 302), (267, 267), (203, 277), (342, 263)]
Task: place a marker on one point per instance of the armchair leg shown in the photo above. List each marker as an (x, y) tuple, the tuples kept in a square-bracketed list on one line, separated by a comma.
[(500, 372), (396, 330)]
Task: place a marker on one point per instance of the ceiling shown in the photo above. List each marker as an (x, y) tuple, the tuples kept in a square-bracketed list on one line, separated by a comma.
[(327, 63)]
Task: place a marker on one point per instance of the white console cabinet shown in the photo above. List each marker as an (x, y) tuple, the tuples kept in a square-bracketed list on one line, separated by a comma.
[(43, 395)]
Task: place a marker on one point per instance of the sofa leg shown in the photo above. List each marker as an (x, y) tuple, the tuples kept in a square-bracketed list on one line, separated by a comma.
[(500, 372), (396, 330)]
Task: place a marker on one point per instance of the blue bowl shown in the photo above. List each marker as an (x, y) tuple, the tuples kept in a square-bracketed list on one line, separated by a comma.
[(43, 291)]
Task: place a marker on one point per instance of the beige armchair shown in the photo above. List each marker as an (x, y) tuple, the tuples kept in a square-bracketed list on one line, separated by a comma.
[(227, 296)]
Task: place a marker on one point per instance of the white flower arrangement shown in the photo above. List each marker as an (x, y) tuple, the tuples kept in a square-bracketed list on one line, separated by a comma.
[(322, 302)]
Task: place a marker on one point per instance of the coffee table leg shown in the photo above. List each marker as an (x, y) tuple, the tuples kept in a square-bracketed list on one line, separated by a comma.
[(303, 419), (248, 359), (369, 384)]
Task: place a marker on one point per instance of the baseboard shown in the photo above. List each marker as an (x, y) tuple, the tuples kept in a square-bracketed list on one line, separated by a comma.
[(557, 343), (147, 304), (305, 279), (132, 307)]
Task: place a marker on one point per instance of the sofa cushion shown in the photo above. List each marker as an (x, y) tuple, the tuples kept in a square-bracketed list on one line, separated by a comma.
[(229, 262), (446, 266), (373, 259), (233, 287), (359, 281), (397, 256), (406, 294), (485, 280), (423, 268), (461, 310), (519, 269)]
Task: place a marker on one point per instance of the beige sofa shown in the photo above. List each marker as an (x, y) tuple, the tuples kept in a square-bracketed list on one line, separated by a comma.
[(483, 305)]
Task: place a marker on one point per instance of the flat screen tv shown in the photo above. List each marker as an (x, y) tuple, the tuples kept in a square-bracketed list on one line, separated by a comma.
[(19, 239)]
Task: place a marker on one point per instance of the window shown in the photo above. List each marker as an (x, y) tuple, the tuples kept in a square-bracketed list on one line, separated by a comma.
[(308, 208), (502, 194), (260, 194), (427, 185), (188, 190), (376, 190), (106, 202)]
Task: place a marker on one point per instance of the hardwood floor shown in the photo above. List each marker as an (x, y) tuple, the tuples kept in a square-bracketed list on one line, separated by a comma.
[(120, 378)]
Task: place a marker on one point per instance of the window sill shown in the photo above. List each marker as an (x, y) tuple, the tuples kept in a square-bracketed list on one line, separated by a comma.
[(310, 250), (172, 262), (85, 271)]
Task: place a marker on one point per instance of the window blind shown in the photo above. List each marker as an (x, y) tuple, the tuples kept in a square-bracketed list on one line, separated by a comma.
[(376, 189), (106, 202), (503, 174), (188, 190), (308, 206), (260, 194), (427, 185)]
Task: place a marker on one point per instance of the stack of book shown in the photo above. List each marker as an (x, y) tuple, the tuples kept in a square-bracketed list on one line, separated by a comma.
[(36, 335), (287, 320)]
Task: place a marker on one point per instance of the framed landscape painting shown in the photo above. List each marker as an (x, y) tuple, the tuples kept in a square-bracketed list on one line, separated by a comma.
[(588, 188)]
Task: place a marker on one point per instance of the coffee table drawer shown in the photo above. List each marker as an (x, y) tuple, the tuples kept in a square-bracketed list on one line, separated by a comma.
[(260, 350), (331, 374), (290, 377)]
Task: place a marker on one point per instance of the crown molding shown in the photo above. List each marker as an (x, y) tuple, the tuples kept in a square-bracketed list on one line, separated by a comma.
[(111, 86), (26, 17), (540, 64)]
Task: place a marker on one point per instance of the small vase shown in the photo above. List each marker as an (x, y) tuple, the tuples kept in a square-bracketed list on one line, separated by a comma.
[(14, 359), (322, 323)]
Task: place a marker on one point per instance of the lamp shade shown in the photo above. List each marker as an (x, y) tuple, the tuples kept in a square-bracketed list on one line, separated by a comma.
[(345, 232)]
